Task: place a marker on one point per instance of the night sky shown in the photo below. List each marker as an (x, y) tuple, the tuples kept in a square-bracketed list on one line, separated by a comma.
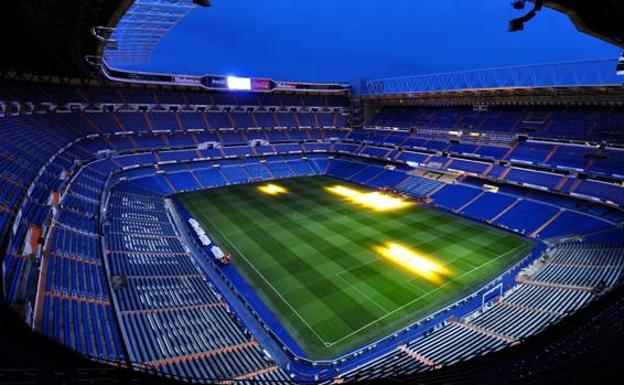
[(341, 40)]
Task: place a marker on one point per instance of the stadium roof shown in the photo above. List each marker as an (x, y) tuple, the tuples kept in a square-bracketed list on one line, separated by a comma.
[(325, 40), (51, 37), (600, 72), (600, 18), (142, 27)]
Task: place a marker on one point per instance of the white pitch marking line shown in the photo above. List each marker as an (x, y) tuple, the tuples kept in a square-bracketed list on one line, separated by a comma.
[(376, 259), (263, 277), (423, 296), (370, 323), (351, 285)]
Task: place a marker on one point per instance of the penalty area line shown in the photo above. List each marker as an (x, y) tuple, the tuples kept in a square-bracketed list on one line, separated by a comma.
[(261, 275), (351, 285), (424, 295)]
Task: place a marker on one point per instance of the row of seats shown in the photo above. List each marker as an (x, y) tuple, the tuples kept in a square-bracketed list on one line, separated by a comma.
[(26, 146), (30, 170), (523, 311), (77, 307), (608, 165), (519, 210), (174, 320), (202, 175), (589, 268), (603, 162), (31, 92), (508, 209), (557, 182), (115, 122), (595, 160), (276, 137), (554, 122)]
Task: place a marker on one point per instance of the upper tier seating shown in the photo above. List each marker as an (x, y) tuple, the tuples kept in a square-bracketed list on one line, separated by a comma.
[(31, 92), (555, 122)]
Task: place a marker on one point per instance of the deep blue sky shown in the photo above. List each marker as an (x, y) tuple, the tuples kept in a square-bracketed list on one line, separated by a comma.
[(339, 40)]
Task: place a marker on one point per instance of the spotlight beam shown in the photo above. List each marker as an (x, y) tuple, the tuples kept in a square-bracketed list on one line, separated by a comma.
[(375, 201), (272, 189), (414, 261)]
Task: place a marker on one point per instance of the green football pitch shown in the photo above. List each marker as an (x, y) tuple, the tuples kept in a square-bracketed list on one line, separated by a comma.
[(339, 275)]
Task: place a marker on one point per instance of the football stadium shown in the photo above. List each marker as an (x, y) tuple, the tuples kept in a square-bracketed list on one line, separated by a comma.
[(421, 220)]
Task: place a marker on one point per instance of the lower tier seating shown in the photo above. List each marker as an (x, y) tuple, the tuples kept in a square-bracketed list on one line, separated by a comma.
[(174, 320), (523, 311)]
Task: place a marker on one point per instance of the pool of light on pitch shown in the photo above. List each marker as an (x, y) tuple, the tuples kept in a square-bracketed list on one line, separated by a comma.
[(272, 189), (414, 261), (375, 201)]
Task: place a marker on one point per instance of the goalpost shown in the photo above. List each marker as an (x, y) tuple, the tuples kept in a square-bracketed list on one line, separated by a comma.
[(493, 293)]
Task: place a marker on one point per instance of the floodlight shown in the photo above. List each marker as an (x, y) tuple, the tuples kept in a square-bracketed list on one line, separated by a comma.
[(516, 25), (518, 4)]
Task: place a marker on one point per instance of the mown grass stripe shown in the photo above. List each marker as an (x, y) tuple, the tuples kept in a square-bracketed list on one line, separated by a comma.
[(316, 249), (323, 288)]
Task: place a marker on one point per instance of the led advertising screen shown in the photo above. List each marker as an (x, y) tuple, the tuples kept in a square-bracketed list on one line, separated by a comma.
[(240, 84)]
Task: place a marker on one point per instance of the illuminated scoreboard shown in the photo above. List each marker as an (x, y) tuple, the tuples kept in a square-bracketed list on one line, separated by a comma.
[(235, 83), (238, 84), (215, 82)]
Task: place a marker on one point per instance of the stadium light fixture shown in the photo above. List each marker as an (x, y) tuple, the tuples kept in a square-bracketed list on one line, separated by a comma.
[(375, 201), (413, 261), (517, 24), (272, 189), (518, 4)]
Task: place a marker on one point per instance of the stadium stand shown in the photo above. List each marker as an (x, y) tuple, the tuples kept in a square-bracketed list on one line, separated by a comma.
[(521, 312), (167, 303), (95, 255)]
